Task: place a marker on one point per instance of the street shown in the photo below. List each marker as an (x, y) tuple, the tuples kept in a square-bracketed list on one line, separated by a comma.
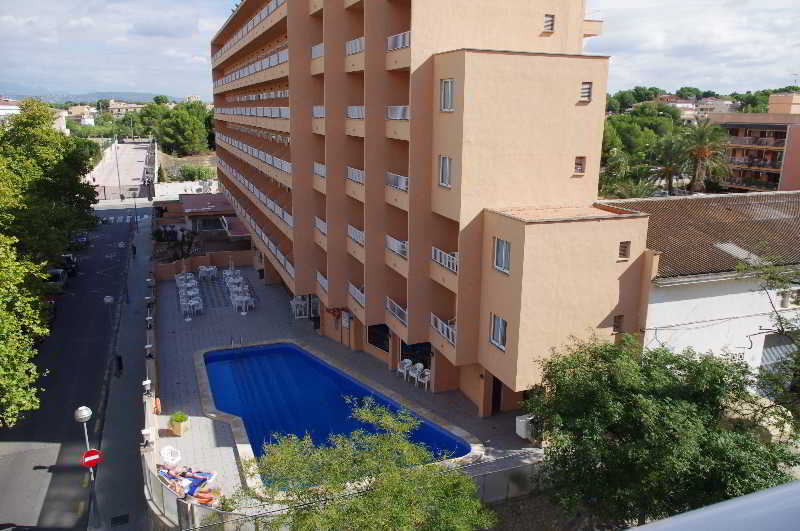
[(45, 485), (131, 159)]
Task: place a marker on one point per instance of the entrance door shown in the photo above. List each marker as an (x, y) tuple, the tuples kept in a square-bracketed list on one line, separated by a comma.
[(497, 395), (300, 307)]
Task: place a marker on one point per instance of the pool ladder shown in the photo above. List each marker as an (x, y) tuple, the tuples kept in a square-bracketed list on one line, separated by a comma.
[(234, 343)]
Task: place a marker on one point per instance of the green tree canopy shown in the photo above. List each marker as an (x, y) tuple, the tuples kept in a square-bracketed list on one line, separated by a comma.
[(707, 146), (161, 100), (689, 93), (397, 484), (635, 434), (183, 132)]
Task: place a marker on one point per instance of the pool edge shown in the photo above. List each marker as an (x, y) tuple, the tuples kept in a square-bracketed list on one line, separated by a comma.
[(242, 447)]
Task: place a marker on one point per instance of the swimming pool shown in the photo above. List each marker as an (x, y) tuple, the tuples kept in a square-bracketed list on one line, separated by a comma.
[(281, 388)]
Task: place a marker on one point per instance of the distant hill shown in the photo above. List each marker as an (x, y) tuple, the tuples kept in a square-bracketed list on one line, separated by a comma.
[(19, 91)]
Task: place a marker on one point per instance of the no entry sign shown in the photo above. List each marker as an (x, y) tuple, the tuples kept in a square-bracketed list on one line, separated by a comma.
[(91, 458)]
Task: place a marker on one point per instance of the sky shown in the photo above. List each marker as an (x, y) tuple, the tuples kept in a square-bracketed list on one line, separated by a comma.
[(162, 46)]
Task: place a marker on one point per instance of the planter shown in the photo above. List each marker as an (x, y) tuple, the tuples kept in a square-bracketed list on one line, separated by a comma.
[(178, 428)]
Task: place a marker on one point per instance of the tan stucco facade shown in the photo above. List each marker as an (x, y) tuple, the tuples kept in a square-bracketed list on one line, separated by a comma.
[(377, 233)]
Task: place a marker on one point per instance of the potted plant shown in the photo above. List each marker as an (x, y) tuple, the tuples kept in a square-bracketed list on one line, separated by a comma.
[(179, 423)]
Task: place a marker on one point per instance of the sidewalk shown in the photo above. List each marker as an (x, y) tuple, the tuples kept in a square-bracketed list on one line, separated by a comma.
[(119, 502)]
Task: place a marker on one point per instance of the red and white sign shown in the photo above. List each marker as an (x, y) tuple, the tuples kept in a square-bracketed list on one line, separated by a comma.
[(91, 458)]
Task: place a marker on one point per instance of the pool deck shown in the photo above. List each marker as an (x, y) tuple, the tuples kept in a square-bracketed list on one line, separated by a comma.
[(210, 444)]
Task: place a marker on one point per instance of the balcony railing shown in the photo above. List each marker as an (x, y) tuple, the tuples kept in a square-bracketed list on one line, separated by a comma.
[(290, 269), (742, 140), (260, 112), (270, 61), (445, 329), (355, 46), (320, 170), (321, 225), (322, 281), (397, 181), (396, 42), (397, 310), (247, 28), (446, 260), (355, 234), (358, 294), (318, 50), (355, 175), (355, 112), (750, 183), (756, 163), (318, 111), (270, 203), (398, 112), (397, 246), (263, 156)]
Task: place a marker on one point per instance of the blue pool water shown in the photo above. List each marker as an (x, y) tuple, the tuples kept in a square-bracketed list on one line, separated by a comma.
[(281, 388)]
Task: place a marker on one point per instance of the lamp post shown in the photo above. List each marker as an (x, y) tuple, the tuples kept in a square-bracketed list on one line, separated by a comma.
[(82, 415)]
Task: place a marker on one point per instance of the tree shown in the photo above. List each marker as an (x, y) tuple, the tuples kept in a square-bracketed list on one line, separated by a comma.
[(625, 99), (375, 479), (707, 145), (20, 323), (161, 100), (612, 104), (635, 434), (689, 93), (102, 105), (672, 159), (183, 133)]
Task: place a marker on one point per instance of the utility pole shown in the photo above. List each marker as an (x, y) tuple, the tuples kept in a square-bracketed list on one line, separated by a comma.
[(119, 181)]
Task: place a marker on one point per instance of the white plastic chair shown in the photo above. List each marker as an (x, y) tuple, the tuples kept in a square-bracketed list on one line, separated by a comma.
[(403, 367), (415, 371), (424, 378)]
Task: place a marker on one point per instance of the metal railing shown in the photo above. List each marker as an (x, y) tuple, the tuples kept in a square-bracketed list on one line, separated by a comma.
[(356, 235), (397, 246), (756, 163), (399, 182), (355, 46), (398, 112), (357, 293), (259, 112), (266, 200), (320, 170), (397, 310), (445, 259), (272, 60), (321, 225), (271, 160), (247, 28), (355, 112), (445, 329), (322, 281), (318, 111), (290, 269), (742, 140), (396, 42), (355, 175), (318, 50)]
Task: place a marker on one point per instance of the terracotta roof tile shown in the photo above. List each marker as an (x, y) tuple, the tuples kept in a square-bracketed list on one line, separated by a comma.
[(711, 234)]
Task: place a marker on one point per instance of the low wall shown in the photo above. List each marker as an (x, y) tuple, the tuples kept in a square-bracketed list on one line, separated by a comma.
[(220, 259)]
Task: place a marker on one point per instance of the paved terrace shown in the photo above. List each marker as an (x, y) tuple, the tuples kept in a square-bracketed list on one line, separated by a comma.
[(209, 444)]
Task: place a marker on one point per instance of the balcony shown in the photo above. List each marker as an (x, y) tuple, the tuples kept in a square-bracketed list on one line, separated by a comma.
[(396, 255), (354, 185), (321, 234), (318, 59), (446, 329), (272, 118), (318, 119), (398, 51), (357, 294), (320, 173), (398, 247), (268, 164), (398, 125), (273, 12), (397, 190), (321, 225), (273, 66), (353, 3), (322, 281), (322, 291), (397, 311), (757, 185), (592, 28), (315, 7), (354, 120), (356, 235), (757, 164), (355, 243), (357, 301), (354, 55), (444, 268)]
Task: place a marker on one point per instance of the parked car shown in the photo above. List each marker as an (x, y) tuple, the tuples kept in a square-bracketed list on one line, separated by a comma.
[(69, 264), (56, 279)]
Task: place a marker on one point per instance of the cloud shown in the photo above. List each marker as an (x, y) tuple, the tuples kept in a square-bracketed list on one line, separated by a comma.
[(166, 27)]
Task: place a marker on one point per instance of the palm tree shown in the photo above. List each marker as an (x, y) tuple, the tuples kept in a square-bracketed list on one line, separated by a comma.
[(671, 156), (706, 145), (632, 189)]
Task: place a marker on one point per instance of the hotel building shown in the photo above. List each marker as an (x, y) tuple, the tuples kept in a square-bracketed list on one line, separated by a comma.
[(422, 175)]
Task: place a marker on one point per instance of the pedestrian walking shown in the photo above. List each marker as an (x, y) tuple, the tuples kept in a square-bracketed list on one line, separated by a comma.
[(133, 249), (118, 366)]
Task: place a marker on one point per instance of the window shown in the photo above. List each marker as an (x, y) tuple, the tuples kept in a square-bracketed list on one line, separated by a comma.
[(624, 250), (580, 165), (549, 23), (619, 323), (444, 171), (586, 91), (502, 255), (497, 334), (446, 95)]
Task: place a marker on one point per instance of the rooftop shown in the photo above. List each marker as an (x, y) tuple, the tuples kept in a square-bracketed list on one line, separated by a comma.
[(549, 215), (699, 235), (235, 227), (205, 203)]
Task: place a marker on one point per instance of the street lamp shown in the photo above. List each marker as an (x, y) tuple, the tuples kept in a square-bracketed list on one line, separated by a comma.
[(82, 415)]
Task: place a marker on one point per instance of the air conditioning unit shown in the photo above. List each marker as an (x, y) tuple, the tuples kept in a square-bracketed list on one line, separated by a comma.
[(524, 426)]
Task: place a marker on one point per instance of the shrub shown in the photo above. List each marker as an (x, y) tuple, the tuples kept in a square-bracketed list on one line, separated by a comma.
[(179, 416)]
